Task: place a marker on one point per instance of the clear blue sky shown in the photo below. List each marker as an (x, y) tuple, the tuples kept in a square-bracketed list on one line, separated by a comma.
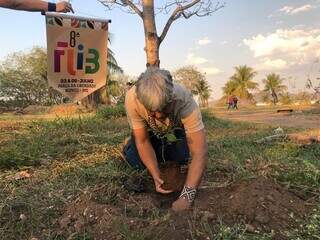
[(271, 36)]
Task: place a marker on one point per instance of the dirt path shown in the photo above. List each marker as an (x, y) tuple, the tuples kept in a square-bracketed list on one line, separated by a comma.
[(306, 118)]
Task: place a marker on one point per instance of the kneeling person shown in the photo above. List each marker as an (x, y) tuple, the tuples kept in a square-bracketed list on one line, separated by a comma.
[(156, 108)]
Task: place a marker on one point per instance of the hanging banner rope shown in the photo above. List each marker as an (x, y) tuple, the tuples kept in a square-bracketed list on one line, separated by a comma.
[(77, 54)]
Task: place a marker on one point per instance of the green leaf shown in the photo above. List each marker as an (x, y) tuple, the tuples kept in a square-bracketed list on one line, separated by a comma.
[(171, 137)]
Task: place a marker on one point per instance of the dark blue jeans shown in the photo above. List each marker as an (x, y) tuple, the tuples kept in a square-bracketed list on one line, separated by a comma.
[(177, 151)]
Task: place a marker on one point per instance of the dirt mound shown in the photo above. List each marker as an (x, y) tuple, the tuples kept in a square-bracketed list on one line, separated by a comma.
[(83, 213), (306, 137), (105, 221), (261, 204)]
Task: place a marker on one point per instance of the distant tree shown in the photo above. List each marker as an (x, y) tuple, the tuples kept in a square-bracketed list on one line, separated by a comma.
[(316, 88), (189, 77), (146, 10), (286, 98), (273, 86), (203, 91), (117, 86), (195, 81), (101, 96), (23, 79), (313, 80), (229, 88), (302, 97), (241, 82)]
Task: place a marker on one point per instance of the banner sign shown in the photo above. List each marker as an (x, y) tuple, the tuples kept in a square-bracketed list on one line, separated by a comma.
[(77, 54)]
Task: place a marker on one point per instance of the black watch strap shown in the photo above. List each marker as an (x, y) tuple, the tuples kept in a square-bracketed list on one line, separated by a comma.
[(52, 7)]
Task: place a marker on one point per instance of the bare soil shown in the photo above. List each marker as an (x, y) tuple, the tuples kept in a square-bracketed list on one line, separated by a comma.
[(261, 204), (173, 175), (305, 118)]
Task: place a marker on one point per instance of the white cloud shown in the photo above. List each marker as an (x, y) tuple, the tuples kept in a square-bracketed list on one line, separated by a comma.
[(292, 10), (211, 70), (276, 63), (224, 42), (286, 9), (194, 60), (204, 41), (285, 47)]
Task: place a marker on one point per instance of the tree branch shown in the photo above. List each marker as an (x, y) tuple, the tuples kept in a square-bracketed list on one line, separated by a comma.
[(122, 3), (133, 7), (180, 11)]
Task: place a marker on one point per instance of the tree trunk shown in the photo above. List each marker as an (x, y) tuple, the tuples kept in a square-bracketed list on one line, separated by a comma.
[(150, 31), (275, 97), (98, 97)]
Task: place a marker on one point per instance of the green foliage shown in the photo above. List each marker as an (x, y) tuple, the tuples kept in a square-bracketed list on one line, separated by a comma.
[(117, 87), (189, 76), (23, 79), (102, 95), (286, 99), (113, 66), (273, 86), (194, 81), (203, 91), (58, 139), (111, 112), (241, 82), (229, 88)]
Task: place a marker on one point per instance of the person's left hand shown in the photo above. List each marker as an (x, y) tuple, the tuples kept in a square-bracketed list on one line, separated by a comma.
[(181, 204)]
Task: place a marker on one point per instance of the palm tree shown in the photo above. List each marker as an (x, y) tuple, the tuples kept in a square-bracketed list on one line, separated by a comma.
[(273, 86), (101, 95), (242, 81), (229, 88), (203, 90), (113, 66)]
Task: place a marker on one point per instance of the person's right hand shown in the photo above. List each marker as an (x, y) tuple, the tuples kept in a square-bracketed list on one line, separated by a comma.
[(158, 182), (64, 7)]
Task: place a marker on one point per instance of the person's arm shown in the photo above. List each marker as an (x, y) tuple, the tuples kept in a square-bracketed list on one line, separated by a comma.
[(148, 157), (36, 5), (198, 147)]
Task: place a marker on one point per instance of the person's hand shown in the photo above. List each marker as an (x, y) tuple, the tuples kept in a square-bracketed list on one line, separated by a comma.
[(64, 7), (181, 204), (158, 182)]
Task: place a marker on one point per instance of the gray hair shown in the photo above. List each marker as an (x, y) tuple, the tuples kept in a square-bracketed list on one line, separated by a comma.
[(154, 89)]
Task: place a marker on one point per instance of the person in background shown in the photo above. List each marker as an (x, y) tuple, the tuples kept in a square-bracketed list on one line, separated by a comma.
[(37, 6), (230, 102), (156, 106), (235, 102)]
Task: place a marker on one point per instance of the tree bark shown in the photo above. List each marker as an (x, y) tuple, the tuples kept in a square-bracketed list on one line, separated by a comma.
[(274, 96), (152, 42)]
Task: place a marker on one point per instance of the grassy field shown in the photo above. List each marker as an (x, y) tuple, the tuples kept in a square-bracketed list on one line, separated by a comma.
[(71, 157)]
